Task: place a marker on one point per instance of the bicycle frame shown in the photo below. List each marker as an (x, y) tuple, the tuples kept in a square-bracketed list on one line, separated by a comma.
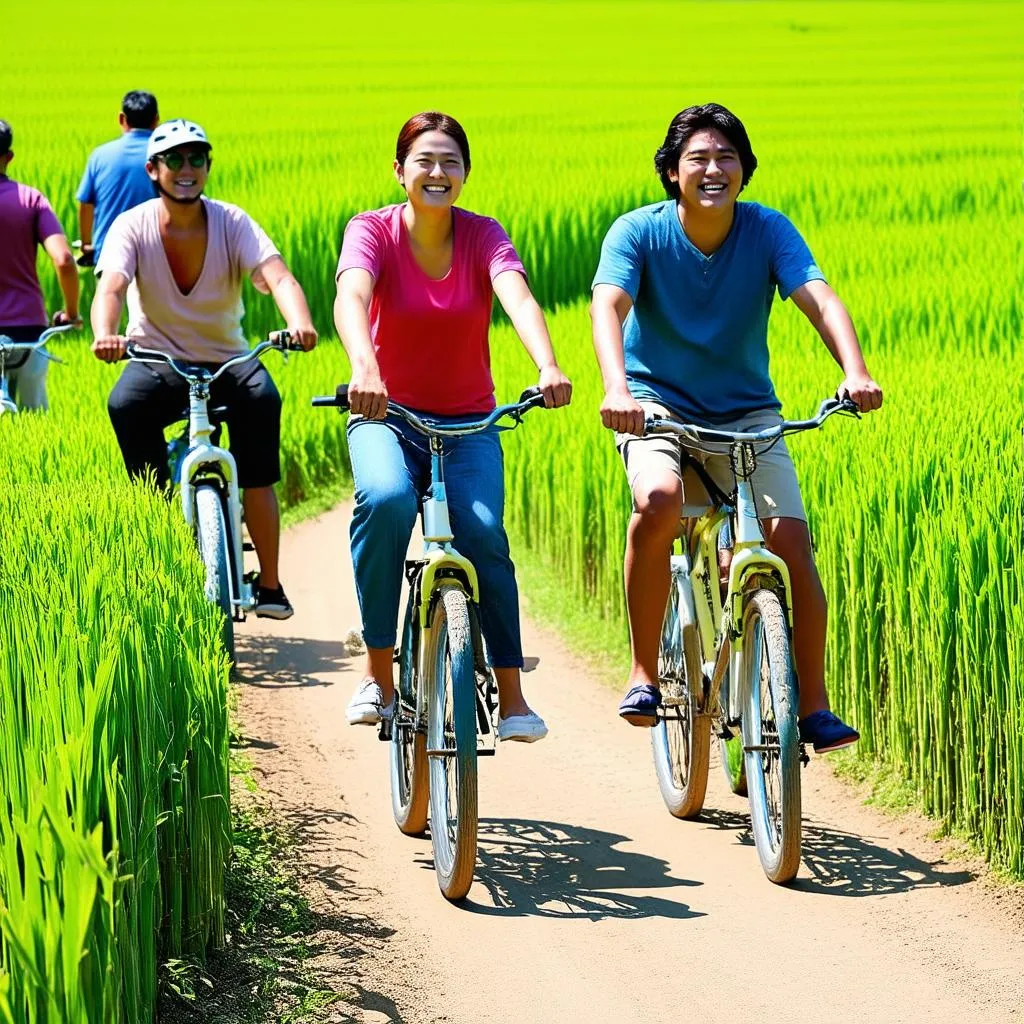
[(719, 620)]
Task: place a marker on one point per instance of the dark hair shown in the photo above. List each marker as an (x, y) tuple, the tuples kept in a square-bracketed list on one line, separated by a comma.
[(139, 109), (686, 124), (6, 138), (431, 121)]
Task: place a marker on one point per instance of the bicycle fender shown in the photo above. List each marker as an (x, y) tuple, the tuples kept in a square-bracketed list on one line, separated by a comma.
[(752, 562)]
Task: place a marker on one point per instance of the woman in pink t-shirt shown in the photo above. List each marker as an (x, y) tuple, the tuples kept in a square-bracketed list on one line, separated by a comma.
[(415, 288)]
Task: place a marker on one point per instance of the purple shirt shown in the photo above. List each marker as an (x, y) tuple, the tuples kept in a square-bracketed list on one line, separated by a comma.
[(26, 220)]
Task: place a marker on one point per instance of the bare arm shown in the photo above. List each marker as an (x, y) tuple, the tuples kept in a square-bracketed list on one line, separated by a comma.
[(57, 248), (367, 394), (609, 308), (826, 312), (86, 213), (528, 319), (105, 316), (290, 300)]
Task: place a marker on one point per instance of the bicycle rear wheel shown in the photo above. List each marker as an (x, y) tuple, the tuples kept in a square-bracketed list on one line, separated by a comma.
[(681, 740), (770, 738), (451, 742), (409, 782), (214, 549)]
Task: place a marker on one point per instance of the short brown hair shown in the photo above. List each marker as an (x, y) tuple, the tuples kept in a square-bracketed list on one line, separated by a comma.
[(431, 121)]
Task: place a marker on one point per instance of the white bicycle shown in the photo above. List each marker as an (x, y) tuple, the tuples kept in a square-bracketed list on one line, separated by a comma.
[(208, 479), (14, 355)]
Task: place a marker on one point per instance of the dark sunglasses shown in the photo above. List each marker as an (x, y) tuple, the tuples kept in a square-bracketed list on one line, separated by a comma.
[(175, 161)]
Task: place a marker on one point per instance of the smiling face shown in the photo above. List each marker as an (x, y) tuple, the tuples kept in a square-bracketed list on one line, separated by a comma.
[(176, 174), (709, 172), (433, 172)]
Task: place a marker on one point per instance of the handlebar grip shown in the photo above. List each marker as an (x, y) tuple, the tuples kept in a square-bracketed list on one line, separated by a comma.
[(533, 398), (339, 400), (284, 340)]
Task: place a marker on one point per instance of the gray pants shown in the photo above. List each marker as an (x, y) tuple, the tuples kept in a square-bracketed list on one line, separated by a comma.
[(28, 382)]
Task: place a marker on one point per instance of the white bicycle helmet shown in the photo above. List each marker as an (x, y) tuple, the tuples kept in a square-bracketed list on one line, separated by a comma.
[(171, 134)]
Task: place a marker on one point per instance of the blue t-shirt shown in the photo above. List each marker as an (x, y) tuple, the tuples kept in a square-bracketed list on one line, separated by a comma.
[(115, 180), (696, 339)]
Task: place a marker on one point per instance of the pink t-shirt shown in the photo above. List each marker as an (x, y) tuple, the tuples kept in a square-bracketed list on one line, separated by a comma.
[(26, 220), (204, 326), (431, 336)]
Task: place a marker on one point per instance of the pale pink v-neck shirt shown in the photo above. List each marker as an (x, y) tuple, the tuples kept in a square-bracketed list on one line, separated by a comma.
[(204, 326)]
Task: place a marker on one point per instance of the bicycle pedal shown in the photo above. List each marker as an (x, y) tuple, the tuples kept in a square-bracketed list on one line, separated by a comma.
[(805, 758), (385, 731), (248, 546)]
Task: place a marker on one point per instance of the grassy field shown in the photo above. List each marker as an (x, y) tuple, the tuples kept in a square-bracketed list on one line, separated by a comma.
[(889, 133)]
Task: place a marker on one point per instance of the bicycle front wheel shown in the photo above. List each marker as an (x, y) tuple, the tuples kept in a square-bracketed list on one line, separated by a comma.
[(212, 537), (409, 783), (681, 740), (451, 742), (770, 737)]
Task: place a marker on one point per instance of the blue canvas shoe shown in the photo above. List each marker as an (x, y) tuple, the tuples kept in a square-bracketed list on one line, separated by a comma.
[(640, 705), (827, 732)]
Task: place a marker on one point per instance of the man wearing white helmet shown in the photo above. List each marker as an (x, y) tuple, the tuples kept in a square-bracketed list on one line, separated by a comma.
[(180, 260)]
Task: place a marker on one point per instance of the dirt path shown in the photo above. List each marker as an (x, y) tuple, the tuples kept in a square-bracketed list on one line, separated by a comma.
[(590, 901)]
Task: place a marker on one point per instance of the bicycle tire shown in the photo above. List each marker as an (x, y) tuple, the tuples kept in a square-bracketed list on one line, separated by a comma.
[(681, 739), (451, 728), (214, 549), (770, 719), (410, 786)]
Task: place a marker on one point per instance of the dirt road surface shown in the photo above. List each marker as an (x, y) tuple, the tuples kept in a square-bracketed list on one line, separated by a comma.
[(591, 902)]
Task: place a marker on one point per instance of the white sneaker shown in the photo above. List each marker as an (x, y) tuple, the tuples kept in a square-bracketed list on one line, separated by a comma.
[(367, 704), (526, 728)]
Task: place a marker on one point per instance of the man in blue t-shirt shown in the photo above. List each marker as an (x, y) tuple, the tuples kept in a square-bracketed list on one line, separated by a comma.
[(115, 177), (680, 309)]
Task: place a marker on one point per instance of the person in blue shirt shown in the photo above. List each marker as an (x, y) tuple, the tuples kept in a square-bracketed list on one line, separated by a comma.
[(680, 308), (115, 176)]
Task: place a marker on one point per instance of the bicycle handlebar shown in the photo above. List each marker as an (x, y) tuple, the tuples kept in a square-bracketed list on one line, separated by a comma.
[(531, 398), (9, 344), (708, 435), (281, 340)]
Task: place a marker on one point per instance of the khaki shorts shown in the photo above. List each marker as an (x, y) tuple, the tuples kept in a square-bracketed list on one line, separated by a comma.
[(776, 490)]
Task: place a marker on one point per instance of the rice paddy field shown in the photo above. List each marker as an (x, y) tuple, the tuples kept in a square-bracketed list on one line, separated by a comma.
[(889, 133)]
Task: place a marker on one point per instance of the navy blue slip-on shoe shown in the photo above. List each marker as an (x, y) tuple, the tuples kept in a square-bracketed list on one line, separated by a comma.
[(827, 732), (640, 705)]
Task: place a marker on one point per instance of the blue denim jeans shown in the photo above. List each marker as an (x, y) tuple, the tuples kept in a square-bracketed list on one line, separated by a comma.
[(391, 469)]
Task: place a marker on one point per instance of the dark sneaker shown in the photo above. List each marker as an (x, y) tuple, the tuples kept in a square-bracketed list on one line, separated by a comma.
[(640, 705), (272, 604), (827, 732)]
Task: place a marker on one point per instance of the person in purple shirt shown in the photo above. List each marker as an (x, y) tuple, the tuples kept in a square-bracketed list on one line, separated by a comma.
[(26, 221), (115, 177), (681, 300)]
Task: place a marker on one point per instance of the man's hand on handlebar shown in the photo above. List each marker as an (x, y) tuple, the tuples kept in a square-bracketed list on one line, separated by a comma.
[(367, 395), (621, 412), (110, 347), (555, 387), (863, 391), (303, 336)]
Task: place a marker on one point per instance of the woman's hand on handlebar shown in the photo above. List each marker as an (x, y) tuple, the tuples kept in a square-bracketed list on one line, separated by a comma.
[(367, 395), (555, 387), (862, 390), (110, 347)]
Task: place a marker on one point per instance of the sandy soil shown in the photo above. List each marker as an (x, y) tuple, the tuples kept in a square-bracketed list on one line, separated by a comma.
[(590, 900)]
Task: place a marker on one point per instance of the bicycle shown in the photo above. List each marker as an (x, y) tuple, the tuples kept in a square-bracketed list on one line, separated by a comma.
[(208, 481), (9, 347), (446, 693), (726, 660)]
